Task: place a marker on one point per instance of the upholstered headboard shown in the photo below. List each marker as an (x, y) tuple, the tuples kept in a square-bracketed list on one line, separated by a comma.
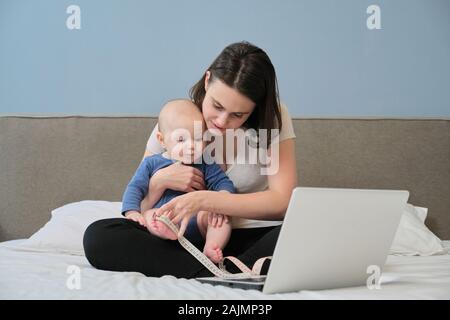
[(46, 162)]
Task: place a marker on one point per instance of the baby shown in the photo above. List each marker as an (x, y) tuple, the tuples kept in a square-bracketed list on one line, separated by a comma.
[(176, 134)]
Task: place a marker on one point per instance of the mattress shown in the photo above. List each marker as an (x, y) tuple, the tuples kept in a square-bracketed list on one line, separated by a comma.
[(28, 274)]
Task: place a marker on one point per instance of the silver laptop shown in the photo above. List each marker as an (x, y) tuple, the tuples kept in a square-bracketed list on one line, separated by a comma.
[(330, 238)]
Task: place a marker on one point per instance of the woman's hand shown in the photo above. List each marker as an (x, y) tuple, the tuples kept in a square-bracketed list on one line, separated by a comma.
[(183, 208), (178, 177)]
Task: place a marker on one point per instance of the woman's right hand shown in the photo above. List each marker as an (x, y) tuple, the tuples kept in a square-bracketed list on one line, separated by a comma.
[(178, 177)]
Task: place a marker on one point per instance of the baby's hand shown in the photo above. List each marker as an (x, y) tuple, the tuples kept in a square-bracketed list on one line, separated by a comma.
[(137, 217), (217, 219)]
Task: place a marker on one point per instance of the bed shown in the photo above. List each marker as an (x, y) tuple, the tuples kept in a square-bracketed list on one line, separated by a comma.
[(49, 162), (43, 275)]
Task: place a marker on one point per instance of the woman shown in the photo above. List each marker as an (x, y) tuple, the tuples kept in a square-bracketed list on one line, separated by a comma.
[(239, 90)]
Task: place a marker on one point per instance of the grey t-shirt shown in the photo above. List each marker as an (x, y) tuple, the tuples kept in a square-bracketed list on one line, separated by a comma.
[(247, 178)]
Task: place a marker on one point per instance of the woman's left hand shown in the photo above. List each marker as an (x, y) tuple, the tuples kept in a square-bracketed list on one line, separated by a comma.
[(183, 208)]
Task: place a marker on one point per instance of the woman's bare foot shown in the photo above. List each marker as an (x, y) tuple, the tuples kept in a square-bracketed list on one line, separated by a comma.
[(213, 252), (159, 228)]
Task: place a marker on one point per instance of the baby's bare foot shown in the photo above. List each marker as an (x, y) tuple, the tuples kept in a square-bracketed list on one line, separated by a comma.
[(160, 229), (213, 252)]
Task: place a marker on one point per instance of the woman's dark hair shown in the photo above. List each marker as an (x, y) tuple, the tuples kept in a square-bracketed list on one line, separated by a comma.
[(247, 69)]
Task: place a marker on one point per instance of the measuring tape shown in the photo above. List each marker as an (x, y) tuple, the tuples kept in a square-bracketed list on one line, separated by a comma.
[(220, 271)]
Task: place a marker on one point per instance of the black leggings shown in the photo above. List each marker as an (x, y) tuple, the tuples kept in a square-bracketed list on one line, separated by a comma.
[(124, 245)]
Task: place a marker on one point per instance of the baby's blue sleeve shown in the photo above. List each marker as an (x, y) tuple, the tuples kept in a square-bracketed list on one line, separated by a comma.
[(216, 179), (137, 188)]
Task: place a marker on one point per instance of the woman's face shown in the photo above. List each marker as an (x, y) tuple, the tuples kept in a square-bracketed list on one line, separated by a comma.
[(224, 107)]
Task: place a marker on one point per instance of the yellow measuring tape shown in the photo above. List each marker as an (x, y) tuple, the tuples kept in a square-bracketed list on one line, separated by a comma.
[(220, 271)]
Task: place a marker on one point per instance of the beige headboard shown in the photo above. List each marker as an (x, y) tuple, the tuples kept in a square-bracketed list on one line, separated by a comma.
[(46, 162)]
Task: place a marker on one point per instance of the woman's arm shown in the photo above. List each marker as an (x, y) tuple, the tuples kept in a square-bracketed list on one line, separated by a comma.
[(155, 193), (175, 177), (270, 204), (265, 205)]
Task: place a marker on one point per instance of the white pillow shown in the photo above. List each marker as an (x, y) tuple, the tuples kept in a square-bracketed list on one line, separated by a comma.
[(413, 237), (64, 232)]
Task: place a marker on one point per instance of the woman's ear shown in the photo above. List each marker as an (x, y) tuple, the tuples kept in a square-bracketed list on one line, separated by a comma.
[(207, 77), (160, 138)]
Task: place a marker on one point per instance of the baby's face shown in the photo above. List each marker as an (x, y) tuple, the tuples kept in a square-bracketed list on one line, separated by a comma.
[(185, 142)]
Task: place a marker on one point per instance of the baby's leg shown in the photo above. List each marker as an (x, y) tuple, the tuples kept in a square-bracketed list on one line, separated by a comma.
[(216, 238)]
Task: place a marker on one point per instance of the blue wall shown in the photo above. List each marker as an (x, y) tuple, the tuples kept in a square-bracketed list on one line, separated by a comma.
[(131, 56)]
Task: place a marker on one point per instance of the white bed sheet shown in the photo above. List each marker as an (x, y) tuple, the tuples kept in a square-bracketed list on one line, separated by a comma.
[(26, 274)]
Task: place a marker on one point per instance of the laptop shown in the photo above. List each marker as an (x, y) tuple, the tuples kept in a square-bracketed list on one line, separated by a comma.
[(330, 238)]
